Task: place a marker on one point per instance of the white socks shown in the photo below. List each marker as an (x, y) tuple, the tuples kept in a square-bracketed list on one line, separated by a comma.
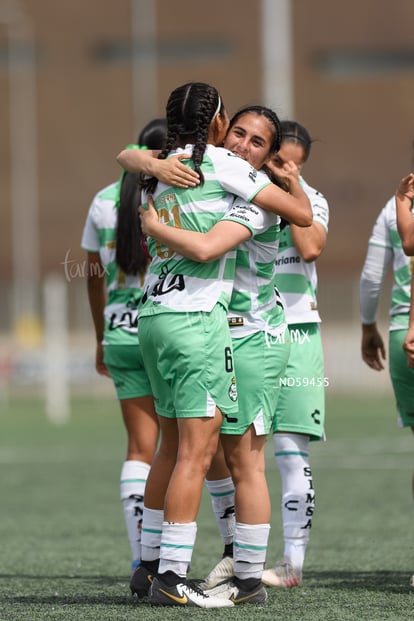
[(222, 501), (151, 534), (177, 543), (250, 546), (170, 542), (298, 496), (133, 478)]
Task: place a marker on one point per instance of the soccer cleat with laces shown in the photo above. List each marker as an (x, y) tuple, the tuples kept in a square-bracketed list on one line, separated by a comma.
[(248, 591), (141, 581), (221, 572), (185, 593), (282, 575)]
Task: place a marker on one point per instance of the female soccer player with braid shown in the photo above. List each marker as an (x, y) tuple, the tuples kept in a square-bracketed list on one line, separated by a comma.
[(184, 331)]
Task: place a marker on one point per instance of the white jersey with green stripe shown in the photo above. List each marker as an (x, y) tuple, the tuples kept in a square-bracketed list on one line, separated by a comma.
[(124, 292), (296, 280), (173, 282), (385, 236), (254, 304)]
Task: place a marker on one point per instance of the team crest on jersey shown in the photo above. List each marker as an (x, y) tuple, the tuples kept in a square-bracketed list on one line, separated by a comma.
[(233, 390)]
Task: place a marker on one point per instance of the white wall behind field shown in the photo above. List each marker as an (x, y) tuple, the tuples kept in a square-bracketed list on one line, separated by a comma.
[(24, 361), (23, 370), (344, 366)]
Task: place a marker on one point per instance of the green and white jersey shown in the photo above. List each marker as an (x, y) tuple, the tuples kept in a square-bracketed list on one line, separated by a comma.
[(254, 299), (296, 280), (173, 282), (124, 292), (384, 247)]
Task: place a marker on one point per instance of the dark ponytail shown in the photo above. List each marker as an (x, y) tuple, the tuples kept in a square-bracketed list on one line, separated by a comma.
[(131, 253)]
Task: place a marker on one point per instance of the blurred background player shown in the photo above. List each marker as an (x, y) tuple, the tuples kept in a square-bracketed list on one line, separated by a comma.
[(385, 247), (404, 198), (392, 239), (117, 263), (300, 411)]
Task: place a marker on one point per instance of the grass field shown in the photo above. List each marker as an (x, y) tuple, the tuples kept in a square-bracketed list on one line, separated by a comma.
[(64, 553)]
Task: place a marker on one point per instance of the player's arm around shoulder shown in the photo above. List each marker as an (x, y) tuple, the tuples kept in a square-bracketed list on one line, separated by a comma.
[(170, 171), (195, 245)]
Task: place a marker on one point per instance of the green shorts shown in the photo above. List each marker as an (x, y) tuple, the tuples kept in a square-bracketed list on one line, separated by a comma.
[(189, 361), (402, 378), (259, 366), (301, 405), (126, 367)]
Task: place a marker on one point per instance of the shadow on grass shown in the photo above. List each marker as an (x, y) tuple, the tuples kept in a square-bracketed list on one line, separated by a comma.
[(54, 577), (65, 600), (55, 584), (374, 581), (380, 581)]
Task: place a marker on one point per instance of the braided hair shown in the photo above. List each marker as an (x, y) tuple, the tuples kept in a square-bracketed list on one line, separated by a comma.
[(131, 253), (190, 110)]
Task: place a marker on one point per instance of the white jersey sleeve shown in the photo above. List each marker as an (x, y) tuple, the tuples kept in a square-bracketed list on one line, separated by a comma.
[(375, 267), (384, 248), (380, 235), (90, 238), (319, 204), (236, 175)]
